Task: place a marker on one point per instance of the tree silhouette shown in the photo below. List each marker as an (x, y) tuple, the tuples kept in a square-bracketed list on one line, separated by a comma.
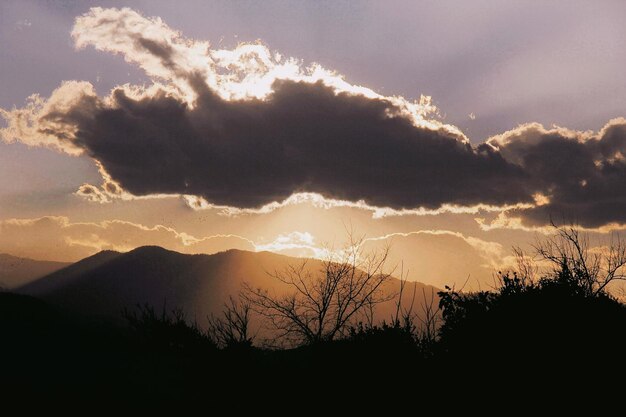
[(555, 319), (321, 306), (573, 259), (232, 328)]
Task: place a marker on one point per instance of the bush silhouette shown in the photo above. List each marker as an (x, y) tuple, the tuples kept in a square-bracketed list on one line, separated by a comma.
[(552, 321), (565, 324), (167, 331)]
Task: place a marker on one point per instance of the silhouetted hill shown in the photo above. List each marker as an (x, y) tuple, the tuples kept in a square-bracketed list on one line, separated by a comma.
[(16, 271), (108, 282), (549, 332)]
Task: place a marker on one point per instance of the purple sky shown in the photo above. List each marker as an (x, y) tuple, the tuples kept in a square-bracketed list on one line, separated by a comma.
[(506, 62)]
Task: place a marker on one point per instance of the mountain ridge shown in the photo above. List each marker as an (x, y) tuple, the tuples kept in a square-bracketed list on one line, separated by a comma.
[(16, 271), (108, 282)]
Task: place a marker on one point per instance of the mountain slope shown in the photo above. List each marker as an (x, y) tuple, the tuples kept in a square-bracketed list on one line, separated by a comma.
[(108, 282), (16, 271)]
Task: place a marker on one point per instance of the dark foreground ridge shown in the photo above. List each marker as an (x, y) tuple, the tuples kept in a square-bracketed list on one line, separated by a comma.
[(560, 330), (549, 330)]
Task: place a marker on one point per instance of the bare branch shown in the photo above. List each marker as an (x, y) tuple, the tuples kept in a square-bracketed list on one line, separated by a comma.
[(320, 306), (233, 327), (592, 270)]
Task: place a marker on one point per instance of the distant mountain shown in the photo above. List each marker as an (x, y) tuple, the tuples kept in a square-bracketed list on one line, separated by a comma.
[(108, 282), (15, 271)]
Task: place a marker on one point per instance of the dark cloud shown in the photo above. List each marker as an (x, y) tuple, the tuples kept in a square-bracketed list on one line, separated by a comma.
[(303, 137), (193, 135), (582, 174), (307, 137)]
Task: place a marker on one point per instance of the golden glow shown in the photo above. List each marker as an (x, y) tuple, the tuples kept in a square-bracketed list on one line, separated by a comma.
[(541, 200)]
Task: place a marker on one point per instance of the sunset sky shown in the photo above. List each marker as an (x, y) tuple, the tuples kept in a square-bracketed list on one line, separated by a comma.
[(451, 129)]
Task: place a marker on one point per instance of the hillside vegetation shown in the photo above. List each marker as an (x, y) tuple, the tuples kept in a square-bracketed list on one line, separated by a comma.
[(562, 324)]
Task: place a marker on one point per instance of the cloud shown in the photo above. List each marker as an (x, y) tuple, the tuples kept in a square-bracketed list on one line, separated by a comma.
[(318, 201), (491, 252), (247, 130), (92, 193), (581, 175), (441, 257), (300, 244), (59, 239), (243, 128), (444, 257), (23, 24), (505, 220)]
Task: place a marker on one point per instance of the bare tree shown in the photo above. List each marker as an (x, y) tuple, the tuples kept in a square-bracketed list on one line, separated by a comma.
[(526, 268), (430, 321), (320, 306), (403, 314), (593, 270), (424, 327), (232, 328)]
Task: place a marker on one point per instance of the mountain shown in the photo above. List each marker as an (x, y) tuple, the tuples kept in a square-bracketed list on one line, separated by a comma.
[(15, 271), (108, 282)]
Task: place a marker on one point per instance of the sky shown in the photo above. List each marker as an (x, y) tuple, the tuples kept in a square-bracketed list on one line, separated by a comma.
[(449, 130)]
